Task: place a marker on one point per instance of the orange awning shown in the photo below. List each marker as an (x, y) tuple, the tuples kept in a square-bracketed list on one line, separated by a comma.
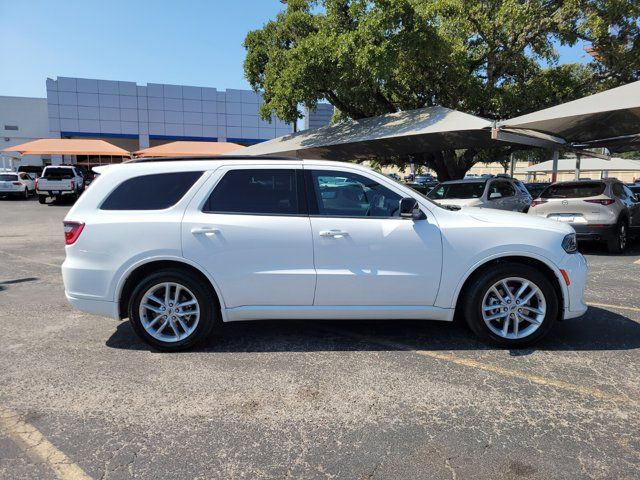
[(188, 149), (68, 146)]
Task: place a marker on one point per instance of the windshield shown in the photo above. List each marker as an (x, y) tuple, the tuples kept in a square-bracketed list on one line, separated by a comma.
[(7, 177), (457, 190), (58, 172), (573, 190)]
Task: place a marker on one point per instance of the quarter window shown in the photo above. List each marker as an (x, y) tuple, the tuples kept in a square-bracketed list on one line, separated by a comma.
[(503, 188), (350, 195), (249, 191), (151, 192)]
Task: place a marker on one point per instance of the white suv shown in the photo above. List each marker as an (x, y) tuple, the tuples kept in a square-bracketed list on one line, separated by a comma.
[(178, 245)]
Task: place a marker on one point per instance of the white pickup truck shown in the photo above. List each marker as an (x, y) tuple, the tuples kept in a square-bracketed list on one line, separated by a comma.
[(60, 180)]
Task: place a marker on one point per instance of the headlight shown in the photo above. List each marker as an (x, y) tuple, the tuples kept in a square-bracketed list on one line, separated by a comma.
[(569, 243)]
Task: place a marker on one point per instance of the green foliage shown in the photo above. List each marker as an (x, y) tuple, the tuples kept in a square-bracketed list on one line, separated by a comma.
[(493, 58)]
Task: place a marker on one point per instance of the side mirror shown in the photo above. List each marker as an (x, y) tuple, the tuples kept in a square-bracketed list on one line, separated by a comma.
[(495, 195), (409, 208)]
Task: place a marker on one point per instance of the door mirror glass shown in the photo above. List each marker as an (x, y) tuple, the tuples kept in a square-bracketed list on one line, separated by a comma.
[(495, 195), (409, 208)]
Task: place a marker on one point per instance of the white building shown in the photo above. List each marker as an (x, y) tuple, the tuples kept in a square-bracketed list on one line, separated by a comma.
[(23, 119)]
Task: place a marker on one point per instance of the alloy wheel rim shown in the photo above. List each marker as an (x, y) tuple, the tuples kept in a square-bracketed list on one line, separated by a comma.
[(514, 308), (169, 312)]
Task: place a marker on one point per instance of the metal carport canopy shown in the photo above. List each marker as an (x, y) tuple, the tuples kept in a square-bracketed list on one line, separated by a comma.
[(406, 132), (587, 165), (609, 119)]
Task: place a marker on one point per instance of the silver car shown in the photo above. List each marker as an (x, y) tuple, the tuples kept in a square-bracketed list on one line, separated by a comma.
[(502, 193), (603, 210)]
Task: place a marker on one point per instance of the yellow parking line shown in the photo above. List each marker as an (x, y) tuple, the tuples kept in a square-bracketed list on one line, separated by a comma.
[(33, 443), (637, 262), (620, 307), (506, 372)]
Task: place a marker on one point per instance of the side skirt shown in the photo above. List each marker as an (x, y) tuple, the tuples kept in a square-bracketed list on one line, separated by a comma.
[(339, 312)]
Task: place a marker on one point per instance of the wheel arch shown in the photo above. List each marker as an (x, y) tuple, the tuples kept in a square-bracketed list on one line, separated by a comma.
[(140, 270), (552, 274)]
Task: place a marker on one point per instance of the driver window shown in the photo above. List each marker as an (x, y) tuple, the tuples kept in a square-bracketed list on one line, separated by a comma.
[(346, 194)]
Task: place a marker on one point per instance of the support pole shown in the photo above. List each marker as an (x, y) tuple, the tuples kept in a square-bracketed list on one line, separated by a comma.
[(578, 158), (513, 165), (554, 173)]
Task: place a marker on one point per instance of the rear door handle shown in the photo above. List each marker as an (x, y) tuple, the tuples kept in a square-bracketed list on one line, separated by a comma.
[(205, 230), (333, 233)]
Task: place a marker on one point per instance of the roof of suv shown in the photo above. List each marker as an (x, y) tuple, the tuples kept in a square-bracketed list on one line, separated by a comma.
[(211, 159)]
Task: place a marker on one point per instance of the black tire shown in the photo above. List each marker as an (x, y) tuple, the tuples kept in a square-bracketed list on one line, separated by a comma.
[(618, 243), (26, 194), (42, 199), (480, 285), (204, 294)]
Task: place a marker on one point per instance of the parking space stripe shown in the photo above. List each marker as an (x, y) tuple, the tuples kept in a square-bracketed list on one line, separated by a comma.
[(637, 262), (33, 443), (619, 307), (505, 372), (27, 259)]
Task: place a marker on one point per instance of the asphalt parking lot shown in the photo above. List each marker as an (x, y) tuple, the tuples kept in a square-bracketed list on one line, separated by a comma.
[(81, 397)]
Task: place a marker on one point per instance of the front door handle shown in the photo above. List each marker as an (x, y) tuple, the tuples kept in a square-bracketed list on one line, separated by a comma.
[(205, 230), (333, 233)]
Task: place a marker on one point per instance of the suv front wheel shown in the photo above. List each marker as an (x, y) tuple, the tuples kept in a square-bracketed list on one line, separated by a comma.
[(511, 305), (171, 310)]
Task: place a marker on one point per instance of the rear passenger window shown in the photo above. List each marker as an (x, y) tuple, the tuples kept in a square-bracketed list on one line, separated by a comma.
[(247, 191), (151, 192)]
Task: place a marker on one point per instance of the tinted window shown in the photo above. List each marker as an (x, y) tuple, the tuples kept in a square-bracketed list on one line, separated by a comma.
[(618, 191), (351, 195), (457, 190), (503, 188), (255, 191), (150, 192), (8, 178), (58, 172), (573, 190)]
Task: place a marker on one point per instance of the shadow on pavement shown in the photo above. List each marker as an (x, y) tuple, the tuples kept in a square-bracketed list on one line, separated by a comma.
[(598, 329)]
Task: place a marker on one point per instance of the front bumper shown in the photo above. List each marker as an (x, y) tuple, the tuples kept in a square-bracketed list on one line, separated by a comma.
[(575, 265), (594, 232)]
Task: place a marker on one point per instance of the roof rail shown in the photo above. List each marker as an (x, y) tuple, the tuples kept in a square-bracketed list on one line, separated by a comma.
[(212, 158)]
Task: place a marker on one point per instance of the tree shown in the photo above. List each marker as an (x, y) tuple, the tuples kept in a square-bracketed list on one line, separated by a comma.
[(492, 58)]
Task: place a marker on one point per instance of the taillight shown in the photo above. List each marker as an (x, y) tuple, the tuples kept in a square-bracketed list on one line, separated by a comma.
[(36, 183), (535, 203), (17, 183), (72, 231), (604, 201), (73, 184)]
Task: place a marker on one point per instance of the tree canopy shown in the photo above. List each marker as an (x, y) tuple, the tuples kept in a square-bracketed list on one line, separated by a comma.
[(492, 58)]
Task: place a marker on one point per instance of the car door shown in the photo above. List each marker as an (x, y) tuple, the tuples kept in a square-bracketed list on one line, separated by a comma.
[(365, 254), (248, 227), (633, 206)]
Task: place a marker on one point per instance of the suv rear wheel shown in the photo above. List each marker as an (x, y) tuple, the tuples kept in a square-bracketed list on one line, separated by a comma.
[(511, 305), (618, 243), (171, 310)]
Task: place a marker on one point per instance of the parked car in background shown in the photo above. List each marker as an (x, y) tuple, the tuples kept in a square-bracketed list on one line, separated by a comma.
[(535, 189), (394, 176), (498, 193), (18, 184), (601, 210), (178, 246), (59, 181), (425, 179), (635, 189)]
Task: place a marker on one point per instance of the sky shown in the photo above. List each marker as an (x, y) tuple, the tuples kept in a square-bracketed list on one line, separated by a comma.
[(188, 42)]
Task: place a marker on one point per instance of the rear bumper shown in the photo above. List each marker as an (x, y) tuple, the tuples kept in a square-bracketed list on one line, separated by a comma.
[(594, 232), (51, 194), (95, 307)]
